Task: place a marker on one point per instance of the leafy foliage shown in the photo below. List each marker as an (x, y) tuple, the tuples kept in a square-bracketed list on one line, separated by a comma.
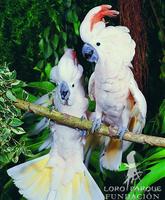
[(15, 143), (10, 119), (35, 33)]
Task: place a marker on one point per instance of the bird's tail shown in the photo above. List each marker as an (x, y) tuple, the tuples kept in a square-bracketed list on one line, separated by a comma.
[(112, 155), (33, 178), (47, 179)]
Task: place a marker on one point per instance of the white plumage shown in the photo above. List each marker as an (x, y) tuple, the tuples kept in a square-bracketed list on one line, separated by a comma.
[(119, 102), (61, 174)]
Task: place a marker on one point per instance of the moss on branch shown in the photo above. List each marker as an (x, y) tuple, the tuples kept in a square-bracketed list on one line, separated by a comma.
[(75, 122)]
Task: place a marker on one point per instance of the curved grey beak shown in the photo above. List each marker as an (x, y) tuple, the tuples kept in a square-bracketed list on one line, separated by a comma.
[(64, 91), (90, 53)]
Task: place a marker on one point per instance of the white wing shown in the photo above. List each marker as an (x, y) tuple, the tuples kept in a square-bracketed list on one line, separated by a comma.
[(91, 86), (139, 109)]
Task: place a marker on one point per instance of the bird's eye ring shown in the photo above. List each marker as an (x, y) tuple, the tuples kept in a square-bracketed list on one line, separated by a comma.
[(72, 85), (98, 44)]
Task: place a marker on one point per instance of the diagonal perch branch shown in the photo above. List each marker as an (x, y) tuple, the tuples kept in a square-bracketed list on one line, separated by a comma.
[(75, 122)]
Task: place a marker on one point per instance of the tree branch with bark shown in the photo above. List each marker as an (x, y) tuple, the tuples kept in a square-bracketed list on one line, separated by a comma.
[(75, 122)]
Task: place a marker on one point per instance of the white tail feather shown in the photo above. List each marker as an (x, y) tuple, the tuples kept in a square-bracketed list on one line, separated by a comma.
[(38, 180), (111, 162)]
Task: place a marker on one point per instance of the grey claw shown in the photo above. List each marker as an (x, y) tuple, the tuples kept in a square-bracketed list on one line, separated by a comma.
[(121, 132), (83, 133), (83, 117), (51, 108), (96, 125)]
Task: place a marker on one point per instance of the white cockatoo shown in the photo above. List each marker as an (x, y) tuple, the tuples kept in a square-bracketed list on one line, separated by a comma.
[(61, 174), (119, 102)]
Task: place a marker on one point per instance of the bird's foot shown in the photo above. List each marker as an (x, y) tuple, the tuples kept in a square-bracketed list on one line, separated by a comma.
[(121, 132), (83, 117), (83, 134), (96, 124), (51, 108), (114, 131)]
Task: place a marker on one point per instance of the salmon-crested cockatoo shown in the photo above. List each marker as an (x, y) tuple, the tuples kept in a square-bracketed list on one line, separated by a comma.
[(61, 174), (119, 102)]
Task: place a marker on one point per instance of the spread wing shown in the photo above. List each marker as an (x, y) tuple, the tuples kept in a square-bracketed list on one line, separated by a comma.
[(91, 87), (138, 108), (45, 101)]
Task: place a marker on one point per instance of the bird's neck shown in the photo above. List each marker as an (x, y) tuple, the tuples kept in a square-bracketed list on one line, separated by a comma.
[(109, 67)]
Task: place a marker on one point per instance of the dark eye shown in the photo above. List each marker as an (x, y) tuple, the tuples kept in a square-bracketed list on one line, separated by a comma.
[(98, 44), (72, 85)]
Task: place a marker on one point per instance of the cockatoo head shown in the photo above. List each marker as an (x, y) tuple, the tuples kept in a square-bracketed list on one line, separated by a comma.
[(67, 76), (102, 41)]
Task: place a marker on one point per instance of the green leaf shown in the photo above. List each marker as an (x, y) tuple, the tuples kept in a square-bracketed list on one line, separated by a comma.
[(64, 36), (155, 157), (95, 160), (45, 86), (75, 17), (123, 167), (48, 51), (56, 58), (91, 105), (20, 93), (163, 125), (13, 75), (2, 99), (161, 36), (18, 83), (53, 15), (16, 122), (55, 41), (31, 98), (39, 66), (10, 96), (18, 130), (42, 45), (76, 27), (156, 173), (162, 117), (37, 69), (46, 33), (70, 16), (4, 159), (48, 70), (15, 159)]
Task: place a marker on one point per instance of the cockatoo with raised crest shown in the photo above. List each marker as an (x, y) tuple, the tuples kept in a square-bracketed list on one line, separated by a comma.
[(61, 174), (119, 102)]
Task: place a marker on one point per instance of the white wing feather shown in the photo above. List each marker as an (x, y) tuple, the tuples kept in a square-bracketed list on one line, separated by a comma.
[(139, 98), (91, 86)]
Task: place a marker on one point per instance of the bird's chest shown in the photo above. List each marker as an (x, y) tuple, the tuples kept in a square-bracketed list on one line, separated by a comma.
[(66, 140), (77, 109), (111, 94)]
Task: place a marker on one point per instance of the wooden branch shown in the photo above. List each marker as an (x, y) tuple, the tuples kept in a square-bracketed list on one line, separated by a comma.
[(75, 122)]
